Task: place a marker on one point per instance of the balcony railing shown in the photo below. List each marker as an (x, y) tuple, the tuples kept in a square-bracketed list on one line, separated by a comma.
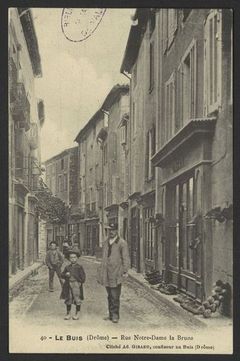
[(91, 210), (21, 108), (76, 211)]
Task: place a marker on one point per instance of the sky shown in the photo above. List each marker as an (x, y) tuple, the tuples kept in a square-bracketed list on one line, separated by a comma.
[(77, 76)]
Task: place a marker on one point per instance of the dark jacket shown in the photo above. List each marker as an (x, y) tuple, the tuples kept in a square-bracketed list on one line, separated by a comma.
[(114, 265), (77, 272)]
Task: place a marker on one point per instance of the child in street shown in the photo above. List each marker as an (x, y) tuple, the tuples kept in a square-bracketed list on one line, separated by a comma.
[(72, 291), (54, 260)]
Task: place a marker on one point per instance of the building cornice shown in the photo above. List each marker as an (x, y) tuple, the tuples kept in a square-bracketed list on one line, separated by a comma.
[(134, 39), (31, 39), (195, 127)]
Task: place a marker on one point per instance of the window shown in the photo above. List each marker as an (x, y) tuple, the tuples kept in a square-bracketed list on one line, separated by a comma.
[(134, 76), (123, 135), (182, 230), (212, 61), (169, 128), (151, 66), (59, 188), (134, 125), (90, 196), (148, 233), (152, 21), (65, 182), (187, 86), (105, 119), (62, 163), (105, 153), (169, 27), (150, 150), (172, 25), (105, 195)]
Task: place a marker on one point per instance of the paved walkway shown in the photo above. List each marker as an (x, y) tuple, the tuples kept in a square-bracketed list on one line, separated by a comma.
[(39, 314)]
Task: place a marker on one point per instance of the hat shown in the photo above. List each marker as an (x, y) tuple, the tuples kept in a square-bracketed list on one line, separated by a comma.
[(112, 226), (75, 251)]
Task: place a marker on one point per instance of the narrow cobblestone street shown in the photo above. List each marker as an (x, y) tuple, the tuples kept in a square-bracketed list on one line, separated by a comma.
[(138, 308), (42, 314)]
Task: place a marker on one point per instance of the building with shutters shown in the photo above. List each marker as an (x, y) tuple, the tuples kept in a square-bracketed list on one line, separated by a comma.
[(26, 117), (90, 184), (182, 58), (62, 180), (114, 142), (139, 61), (102, 174)]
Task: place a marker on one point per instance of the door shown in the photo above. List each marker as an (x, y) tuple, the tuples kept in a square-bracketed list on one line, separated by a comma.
[(135, 238), (125, 229), (20, 238), (148, 239), (95, 236), (184, 236)]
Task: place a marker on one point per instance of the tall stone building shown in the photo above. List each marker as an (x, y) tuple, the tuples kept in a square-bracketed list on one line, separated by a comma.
[(114, 145), (90, 184), (62, 180), (102, 172), (139, 62), (26, 117), (180, 61)]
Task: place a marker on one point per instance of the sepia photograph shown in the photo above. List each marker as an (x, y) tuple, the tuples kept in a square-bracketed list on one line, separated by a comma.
[(120, 180)]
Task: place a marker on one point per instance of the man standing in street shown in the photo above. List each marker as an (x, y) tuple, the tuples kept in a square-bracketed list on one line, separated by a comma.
[(113, 269), (54, 260)]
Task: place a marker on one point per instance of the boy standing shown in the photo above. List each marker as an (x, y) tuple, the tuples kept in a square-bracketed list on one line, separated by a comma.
[(54, 260), (72, 291)]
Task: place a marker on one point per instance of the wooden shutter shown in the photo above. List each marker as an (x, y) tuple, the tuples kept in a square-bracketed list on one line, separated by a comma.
[(147, 156), (165, 29), (153, 134)]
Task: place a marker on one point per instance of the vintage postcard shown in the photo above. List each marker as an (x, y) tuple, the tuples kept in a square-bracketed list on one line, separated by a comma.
[(120, 180)]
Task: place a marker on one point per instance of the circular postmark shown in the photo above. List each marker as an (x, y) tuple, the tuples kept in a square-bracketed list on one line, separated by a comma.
[(78, 24)]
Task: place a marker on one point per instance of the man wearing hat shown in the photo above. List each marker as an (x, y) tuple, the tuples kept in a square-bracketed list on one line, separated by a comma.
[(113, 269)]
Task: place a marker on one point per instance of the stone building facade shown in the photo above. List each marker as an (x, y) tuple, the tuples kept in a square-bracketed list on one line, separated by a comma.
[(185, 57), (90, 184), (102, 172), (26, 117), (139, 62), (62, 179), (113, 143)]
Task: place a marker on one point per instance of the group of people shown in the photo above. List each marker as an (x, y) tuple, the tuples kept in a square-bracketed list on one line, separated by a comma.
[(111, 273)]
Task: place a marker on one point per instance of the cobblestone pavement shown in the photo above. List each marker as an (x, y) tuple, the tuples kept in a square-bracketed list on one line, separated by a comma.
[(37, 320), (138, 307)]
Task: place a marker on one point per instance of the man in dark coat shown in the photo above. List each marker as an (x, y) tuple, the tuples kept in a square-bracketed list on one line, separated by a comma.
[(113, 269), (54, 260)]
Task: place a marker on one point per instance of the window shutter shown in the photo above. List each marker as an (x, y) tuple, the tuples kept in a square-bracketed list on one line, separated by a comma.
[(173, 104), (172, 25), (178, 100), (165, 29), (212, 61), (153, 147), (175, 21), (147, 155)]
